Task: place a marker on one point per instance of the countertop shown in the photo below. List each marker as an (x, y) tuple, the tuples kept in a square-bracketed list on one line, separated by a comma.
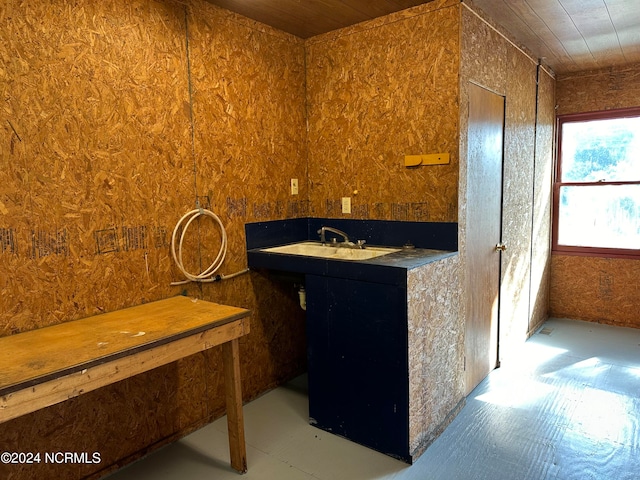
[(391, 268)]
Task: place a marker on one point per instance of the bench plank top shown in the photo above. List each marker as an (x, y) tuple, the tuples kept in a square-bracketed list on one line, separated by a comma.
[(36, 356)]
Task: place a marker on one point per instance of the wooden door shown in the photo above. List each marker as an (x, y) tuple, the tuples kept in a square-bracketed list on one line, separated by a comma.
[(483, 225)]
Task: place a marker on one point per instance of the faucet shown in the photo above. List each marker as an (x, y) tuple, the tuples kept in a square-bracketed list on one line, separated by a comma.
[(322, 232), (346, 243)]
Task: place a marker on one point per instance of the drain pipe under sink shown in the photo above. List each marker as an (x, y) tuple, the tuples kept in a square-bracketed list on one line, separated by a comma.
[(303, 298)]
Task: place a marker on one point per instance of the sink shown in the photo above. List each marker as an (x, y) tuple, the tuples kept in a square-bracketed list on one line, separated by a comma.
[(316, 249)]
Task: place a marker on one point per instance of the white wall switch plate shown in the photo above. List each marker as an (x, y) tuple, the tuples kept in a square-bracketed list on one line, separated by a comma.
[(294, 186), (346, 204)]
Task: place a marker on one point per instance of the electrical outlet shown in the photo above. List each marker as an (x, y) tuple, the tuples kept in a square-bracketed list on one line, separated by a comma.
[(294, 186), (346, 204)]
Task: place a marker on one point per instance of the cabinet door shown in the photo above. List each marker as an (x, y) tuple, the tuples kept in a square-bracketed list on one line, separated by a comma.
[(357, 350)]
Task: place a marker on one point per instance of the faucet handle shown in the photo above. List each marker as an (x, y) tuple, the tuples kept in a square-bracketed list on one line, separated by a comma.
[(360, 243)]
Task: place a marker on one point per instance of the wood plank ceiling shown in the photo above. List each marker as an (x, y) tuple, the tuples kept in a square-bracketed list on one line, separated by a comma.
[(572, 35), (568, 35), (306, 18)]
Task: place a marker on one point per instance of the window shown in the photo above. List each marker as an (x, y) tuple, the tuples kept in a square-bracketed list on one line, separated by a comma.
[(597, 187)]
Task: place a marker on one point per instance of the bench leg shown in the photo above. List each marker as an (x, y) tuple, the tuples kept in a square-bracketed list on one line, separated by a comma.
[(235, 419)]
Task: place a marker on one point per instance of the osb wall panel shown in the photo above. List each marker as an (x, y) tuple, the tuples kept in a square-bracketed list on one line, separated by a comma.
[(517, 200), (436, 350), (250, 141), (603, 290), (482, 61), (541, 232), (490, 60), (94, 144), (587, 288), (275, 351), (377, 92), (110, 421), (483, 55), (98, 164), (595, 90)]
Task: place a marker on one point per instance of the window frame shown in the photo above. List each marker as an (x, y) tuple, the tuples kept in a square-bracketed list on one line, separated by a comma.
[(557, 184)]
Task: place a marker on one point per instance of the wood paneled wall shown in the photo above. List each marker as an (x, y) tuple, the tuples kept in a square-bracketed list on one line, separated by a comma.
[(376, 92), (117, 116), (590, 288)]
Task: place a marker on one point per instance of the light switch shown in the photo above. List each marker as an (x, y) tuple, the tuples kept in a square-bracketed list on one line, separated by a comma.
[(346, 204), (294, 186)]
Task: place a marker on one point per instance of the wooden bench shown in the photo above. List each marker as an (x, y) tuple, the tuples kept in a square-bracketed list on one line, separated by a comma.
[(49, 365)]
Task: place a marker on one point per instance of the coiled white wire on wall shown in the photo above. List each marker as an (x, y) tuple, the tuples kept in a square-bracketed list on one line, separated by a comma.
[(206, 276)]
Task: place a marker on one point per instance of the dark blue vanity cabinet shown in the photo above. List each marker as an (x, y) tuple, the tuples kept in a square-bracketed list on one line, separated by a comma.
[(357, 327), (357, 361)]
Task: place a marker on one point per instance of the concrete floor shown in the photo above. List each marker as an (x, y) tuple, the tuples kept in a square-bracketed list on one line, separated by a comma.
[(569, 408)]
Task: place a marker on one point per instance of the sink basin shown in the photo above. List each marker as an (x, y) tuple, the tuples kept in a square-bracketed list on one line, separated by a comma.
[(315, 249)]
